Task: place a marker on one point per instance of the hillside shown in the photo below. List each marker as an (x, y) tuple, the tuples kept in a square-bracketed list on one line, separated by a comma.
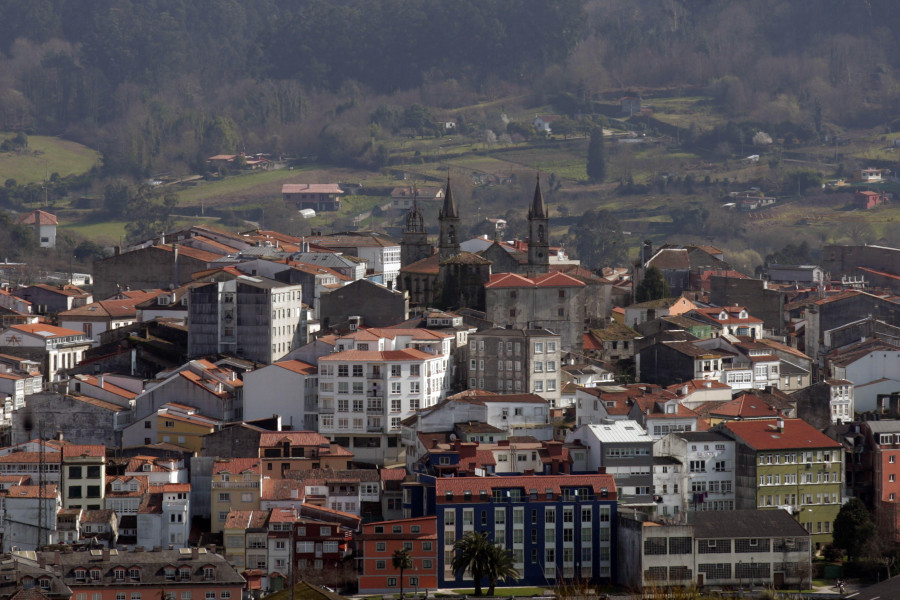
[(44, 156)]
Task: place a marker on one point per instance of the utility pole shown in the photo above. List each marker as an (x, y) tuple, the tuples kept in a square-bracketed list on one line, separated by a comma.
[(41, 483)]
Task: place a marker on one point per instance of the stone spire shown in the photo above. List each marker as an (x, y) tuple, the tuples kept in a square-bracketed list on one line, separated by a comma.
[(448, 211), (448, 241), (538, 233), (537, 210)]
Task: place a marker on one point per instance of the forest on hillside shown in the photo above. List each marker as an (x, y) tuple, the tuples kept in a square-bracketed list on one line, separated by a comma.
[(162, 84)]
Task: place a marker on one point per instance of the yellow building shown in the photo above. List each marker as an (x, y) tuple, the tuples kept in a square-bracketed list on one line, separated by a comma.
[(236, 485), (183, 426)]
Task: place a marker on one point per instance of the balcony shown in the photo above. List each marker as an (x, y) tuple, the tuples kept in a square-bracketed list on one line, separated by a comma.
[(326, 410), (374, 428), (233, 485)]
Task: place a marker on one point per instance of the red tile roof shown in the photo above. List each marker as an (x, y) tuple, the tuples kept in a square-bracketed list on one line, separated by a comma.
[(763, 434), (296, 438), (46, 331), (311, 188), (237, 465), (38, 216), (374, 355), (32, 491), (513, 280), (298, 366), (458, 485), (76, 450)]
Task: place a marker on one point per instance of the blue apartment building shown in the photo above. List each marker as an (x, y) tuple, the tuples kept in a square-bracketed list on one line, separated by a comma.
[(560, 528)]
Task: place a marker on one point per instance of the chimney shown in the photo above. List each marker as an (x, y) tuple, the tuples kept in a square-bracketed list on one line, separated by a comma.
[(100, 381), (529, 472), (467, 450), (117, 250), (195, 553), (554, 448), (601, 470), (780, 425), (434, 443), (59, 435)]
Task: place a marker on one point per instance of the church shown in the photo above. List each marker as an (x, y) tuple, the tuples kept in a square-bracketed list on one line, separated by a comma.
[(448, 277)]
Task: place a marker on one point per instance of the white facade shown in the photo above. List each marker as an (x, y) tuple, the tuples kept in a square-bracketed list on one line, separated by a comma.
[(872, 374), (289, 389), (591, 408), (62, 348), (841, 401), (667, 482), (364, 394), (707, 476), (23, 513), (168, 524)]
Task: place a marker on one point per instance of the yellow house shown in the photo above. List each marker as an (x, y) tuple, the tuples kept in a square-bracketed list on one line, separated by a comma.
[(236, 485), (183, 425)]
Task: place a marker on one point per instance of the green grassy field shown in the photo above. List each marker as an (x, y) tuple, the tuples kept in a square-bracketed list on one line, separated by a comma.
[(45, 156)]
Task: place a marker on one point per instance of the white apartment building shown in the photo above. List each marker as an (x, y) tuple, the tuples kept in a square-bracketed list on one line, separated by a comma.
[(252, 317), (57, 348), (288, 388), (364, 394), (165, 516), (707, 473), (841, 400)]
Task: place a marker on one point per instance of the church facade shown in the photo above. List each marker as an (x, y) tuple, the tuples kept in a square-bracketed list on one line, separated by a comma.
[(448, 277)]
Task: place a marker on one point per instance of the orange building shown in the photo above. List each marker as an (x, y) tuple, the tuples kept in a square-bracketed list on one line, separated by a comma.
[(379, 542)]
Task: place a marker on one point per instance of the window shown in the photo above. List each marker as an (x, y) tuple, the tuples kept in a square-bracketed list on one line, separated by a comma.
[(380, 565), (380, 546)]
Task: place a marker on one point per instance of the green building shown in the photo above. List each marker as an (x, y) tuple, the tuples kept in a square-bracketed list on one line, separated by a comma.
[(787, 464)]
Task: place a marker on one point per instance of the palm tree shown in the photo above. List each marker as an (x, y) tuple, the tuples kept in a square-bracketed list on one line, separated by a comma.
[(401, 560), (474, 553), (500, 567)]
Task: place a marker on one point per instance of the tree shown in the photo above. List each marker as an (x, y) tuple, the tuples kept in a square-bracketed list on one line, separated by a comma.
[(598, 240), (596, 158), (652, 287), (474, 552), (501, 567), (564, 127), (401, 560), (853, 526)]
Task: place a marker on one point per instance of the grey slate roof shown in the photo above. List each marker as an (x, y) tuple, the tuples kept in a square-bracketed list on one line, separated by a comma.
[(745, 524)]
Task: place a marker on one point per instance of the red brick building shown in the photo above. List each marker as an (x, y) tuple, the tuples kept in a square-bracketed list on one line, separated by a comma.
[(865, 200), (380, 540), (884, 445)]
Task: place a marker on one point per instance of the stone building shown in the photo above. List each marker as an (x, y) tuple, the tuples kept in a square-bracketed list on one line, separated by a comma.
[(515, 361)]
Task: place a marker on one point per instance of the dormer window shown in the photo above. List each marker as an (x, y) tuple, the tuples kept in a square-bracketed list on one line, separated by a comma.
[(209, 573), (147, 467), (723, 315), (119, 574), (743, 314), (185, 573), (80, 574), (44, 583), (170, 573), (95, 574), (134, 573)]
